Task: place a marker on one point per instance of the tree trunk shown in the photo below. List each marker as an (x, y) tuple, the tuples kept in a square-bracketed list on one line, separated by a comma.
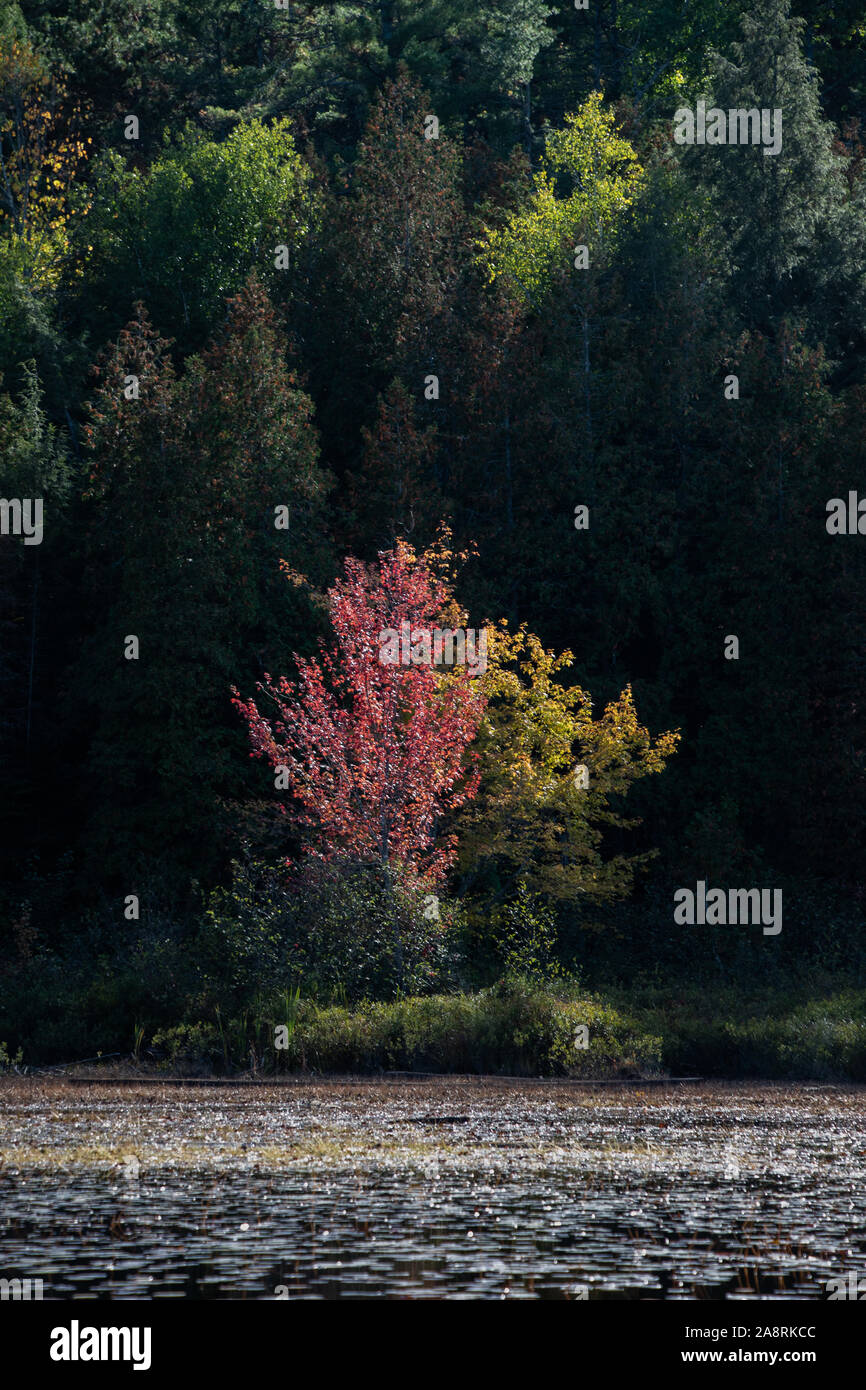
[(32, 662)]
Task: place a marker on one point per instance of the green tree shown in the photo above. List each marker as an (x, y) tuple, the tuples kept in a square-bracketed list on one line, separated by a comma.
[(119, 60), (384, 290), (187, 232), (772, 212), (183, 515), (476, 61), (602, 171)]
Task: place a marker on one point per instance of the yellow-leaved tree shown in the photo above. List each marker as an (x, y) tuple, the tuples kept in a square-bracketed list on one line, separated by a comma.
[(588, 177), (548, 772)]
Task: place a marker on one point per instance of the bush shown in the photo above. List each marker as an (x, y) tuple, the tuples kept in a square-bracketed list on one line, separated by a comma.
[(775, 1035), (525, 932), (190, 1049), (246, 943), (369, 933), (515, 1028)]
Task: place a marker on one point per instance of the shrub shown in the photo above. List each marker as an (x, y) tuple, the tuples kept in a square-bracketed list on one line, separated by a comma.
[(369, 933), (775, 1035), (190, 1049), (525, 933), (515, 1028)]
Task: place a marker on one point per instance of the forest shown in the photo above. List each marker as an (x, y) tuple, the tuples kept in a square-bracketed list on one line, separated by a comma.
[(471, 325)]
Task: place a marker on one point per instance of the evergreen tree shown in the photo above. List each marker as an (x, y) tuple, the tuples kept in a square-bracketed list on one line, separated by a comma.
[(476, 62), (202, 486), (389, 277), (772, 211)]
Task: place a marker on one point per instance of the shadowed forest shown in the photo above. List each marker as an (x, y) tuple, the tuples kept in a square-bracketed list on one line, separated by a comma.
[(325, 321)]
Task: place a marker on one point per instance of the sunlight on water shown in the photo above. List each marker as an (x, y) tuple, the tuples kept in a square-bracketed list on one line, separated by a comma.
[(450, 1189)]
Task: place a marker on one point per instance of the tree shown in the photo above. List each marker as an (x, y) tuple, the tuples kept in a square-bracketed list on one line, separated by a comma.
[(42, 150), (773, 213), (834, 41), (199, 488), (603, 171), (226, 45), (400, 227), (394, 492), (119, 62), (186, 233), (389, 275), (476, 61), (374, 751), (536, 819)]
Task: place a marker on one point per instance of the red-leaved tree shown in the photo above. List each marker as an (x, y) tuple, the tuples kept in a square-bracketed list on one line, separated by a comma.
[(374, 753)]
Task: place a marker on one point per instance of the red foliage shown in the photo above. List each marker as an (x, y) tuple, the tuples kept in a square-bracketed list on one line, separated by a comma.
[(375, 753)]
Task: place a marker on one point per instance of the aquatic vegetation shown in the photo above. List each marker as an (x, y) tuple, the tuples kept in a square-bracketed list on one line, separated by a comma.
[(431, 1188)]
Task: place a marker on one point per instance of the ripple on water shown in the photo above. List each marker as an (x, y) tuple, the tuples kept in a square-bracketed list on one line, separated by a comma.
[(374, 1191)]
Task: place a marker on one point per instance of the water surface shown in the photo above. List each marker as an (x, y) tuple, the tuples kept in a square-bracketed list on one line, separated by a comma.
[(437, 1189)]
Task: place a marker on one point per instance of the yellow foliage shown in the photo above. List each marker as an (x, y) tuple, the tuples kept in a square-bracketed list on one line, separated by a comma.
[(41, 153), (533, 819)]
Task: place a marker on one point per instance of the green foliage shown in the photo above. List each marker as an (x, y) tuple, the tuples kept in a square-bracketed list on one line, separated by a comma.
[(186, 233), (773, 212), (341, 931), (122, 62), (190, 1048), (185, 484), (601, 174), (12, 22), (517, 1029), (558, 388), (36, 461), (368, 934), (36, 465), (474, 60), (391, 263), (246, 943), (774, 1036), (835, 40), (526, 937), (665, 45)]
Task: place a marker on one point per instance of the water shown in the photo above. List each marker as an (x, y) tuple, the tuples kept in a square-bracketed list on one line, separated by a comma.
[(448, 1189)]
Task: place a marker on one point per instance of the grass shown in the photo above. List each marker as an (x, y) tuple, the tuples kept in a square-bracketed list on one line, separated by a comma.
[(810, 1033), (514, 1028)]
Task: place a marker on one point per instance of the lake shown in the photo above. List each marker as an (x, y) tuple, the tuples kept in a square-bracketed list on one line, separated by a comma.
[(452, 1188)]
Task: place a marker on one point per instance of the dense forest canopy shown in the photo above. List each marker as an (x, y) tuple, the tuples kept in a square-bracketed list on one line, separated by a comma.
[(428, 274)]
